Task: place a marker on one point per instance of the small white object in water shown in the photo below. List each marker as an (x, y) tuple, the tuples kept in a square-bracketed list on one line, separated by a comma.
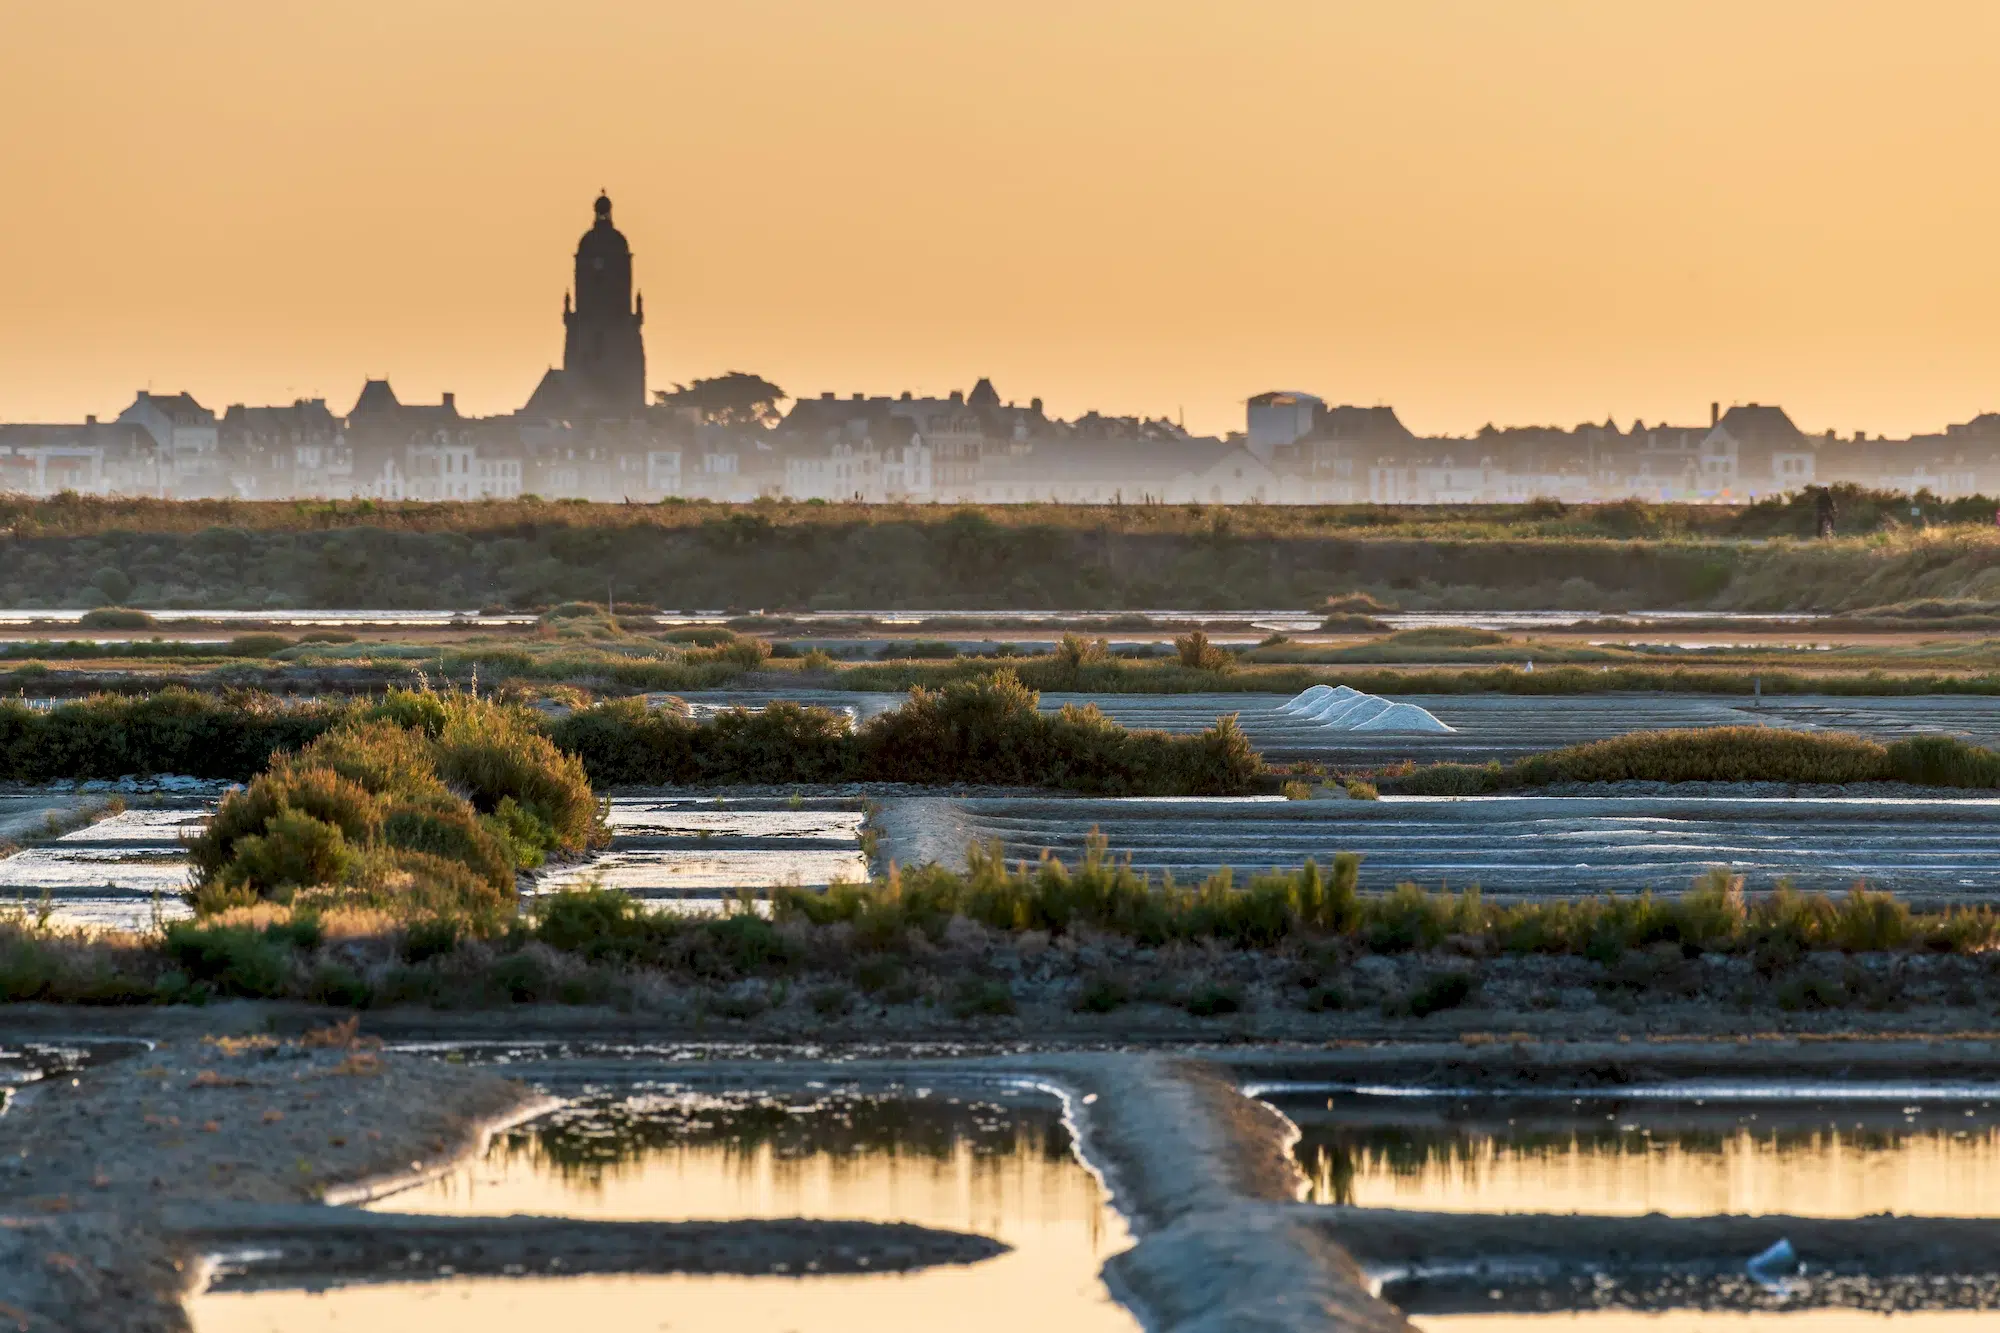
[(1776, 1267)]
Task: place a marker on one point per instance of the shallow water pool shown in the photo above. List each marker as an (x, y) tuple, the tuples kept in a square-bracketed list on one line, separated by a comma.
[(1603, 1156), (998, 1167)]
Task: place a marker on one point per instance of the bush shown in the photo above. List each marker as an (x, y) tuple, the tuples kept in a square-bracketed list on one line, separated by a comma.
[(1437, 992), (1721, 754), (831, 1001), (1198, 654), (232, 960), (1943, 761), (295, 851), (1101, 994), (446, 827), (424, 940), (990, 730), (1212, 1001), (256, 645), (116, 617), (338, 984), (364, 811), (976, 998)]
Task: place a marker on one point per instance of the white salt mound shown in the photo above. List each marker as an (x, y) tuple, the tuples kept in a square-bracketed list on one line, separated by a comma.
[(1402, 717), (1315, 697), (1341, 708)]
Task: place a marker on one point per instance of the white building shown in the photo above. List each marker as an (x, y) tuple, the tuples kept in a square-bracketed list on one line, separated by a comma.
[(186, 433), (1280, 418)]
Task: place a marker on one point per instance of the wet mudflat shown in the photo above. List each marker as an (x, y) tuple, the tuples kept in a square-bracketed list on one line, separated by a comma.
[(995, 1166)]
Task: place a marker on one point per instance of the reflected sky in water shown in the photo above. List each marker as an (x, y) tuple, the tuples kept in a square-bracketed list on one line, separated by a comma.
[(1000, 1168), (1687, 1159)]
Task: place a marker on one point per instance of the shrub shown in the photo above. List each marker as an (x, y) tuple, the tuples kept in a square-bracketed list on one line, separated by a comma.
[(1720, 754), (601, 924), (1294, 790), (1357, 790), (338, 984), (256, 645), (1074, 651), (1212, 1001), (1943, 761), (116, 617), (991, 730), (319, 794), (831, 1001), (434, 937), (976, 998), (295, 851), (1437, 992), (233, 960), (878, 973), (493, 753), (1198, 654), (365, 809), (444, 826), (518, 977), (1325, 998), (1101, 994)]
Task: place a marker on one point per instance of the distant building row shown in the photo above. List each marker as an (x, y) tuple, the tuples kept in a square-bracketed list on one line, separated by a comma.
[(962, 448)]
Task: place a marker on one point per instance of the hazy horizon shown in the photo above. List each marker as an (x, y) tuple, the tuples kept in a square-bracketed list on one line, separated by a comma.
[(1547, 211)]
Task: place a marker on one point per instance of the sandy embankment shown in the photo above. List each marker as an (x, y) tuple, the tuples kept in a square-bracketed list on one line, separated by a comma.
[(1206, 1179)]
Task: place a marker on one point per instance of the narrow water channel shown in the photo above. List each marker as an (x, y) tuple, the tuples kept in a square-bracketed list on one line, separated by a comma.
[(1000, 1167)]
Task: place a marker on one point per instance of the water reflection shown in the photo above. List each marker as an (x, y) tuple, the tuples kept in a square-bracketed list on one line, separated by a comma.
[(999, 1167), (1606, 1156)]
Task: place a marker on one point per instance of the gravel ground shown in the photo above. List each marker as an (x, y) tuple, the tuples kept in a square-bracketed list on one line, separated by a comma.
[(88, 1164)]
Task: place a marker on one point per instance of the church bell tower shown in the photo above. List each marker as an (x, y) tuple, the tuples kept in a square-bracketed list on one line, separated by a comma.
[(604, 354)]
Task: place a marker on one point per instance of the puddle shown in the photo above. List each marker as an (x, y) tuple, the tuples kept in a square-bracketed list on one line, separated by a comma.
[(1937, 1157), (999, 1167), (30, 1062)]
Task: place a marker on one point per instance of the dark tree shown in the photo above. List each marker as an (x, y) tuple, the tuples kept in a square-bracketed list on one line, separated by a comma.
[(733, 399)]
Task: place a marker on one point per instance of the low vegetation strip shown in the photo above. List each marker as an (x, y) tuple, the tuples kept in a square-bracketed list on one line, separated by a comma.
[(987, 730), (1095, 936), (1120, 676), (1717, 754), (984, 731), (77, 551)]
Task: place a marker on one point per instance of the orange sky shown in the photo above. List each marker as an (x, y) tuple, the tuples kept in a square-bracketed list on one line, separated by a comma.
[(1506, 210)]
